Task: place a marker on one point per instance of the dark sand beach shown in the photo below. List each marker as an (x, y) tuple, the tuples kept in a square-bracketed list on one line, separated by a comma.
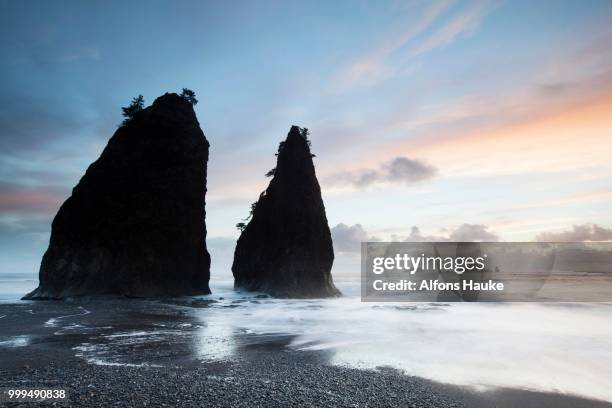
[(121, 352)]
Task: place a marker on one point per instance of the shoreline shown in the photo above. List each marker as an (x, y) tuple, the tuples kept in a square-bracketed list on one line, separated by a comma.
[(167, 370)]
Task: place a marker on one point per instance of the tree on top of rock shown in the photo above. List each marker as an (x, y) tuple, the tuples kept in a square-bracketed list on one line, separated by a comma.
[(189, 96), (130, 111)]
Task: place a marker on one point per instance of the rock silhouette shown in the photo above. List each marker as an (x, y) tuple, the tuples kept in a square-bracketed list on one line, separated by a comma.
[(286, 248), (135, 223)]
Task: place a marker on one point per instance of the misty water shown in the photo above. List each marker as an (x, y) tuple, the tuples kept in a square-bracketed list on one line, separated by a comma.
[(555, 347)]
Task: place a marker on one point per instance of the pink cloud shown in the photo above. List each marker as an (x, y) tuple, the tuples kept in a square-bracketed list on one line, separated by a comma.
[(31, 201)]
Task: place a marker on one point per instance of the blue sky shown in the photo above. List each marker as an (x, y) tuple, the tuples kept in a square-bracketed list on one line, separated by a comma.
[(470, 119)]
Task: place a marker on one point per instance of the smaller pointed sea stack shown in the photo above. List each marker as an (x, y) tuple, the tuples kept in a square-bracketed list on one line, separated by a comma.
[(134, 224), (286, 248)]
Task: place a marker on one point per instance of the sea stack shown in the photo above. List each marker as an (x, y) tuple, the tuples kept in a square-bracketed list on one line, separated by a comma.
[(135, 223), (286, 248)]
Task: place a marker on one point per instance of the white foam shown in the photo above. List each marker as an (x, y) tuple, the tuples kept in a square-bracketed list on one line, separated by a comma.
[(129, 334), (564, 348), (92, 354), (15, 341), (100, 362), (53, 322)]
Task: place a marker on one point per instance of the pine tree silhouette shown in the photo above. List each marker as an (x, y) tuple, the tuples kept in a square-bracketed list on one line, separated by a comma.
[(189, 95), (130, 111)]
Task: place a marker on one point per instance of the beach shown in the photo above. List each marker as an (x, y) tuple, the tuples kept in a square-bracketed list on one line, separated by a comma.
[(263, 379), (245, 349)]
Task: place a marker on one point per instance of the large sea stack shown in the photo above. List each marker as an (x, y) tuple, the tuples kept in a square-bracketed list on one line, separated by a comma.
[(286, 248), (135, 223)]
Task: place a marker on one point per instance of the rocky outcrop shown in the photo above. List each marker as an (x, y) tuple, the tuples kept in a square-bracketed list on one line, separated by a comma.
[(135, 223), (286, 248)]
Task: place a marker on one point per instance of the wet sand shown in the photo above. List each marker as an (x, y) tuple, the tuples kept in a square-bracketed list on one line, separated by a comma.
[(132, 352)]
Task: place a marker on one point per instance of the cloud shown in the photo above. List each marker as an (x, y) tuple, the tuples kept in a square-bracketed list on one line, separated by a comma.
[(408, 170), (556, 88), (576, 198), (19, 199), (371, 67), (26, 212), (462, 233), (35, 201), (551, 122), (30, 124), (375, 66), (590, 196), (472, 233), (349, 238), (401, 170), (464, 23), (578, 233), (16, 224), (535, 134)]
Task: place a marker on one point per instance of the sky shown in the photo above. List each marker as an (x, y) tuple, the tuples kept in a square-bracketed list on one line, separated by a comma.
[(446, 120)]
